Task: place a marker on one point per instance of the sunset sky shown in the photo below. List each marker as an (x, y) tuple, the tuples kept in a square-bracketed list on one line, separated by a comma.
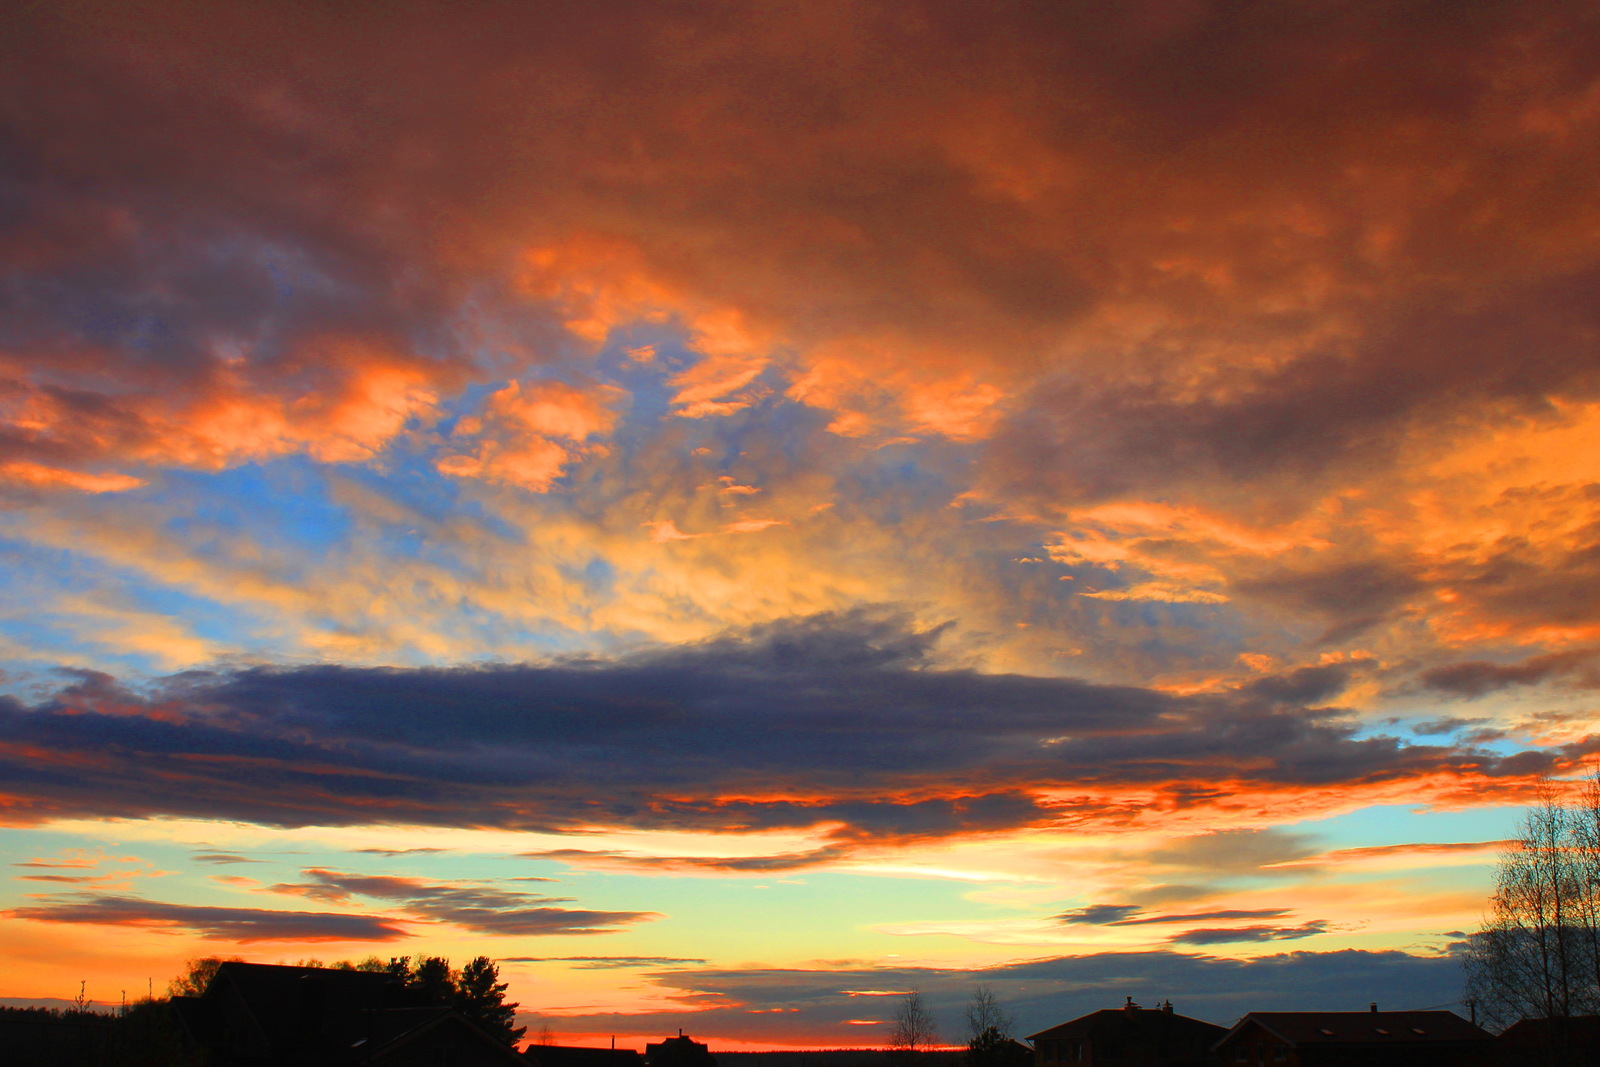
[(740, 510)]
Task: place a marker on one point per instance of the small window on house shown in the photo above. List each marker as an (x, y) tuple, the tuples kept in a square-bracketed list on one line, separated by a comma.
[(1242, 1054), (1280, 1053)]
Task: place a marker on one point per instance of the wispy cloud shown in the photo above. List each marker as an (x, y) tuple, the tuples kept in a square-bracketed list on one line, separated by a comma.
[(483, 909), (217, 923)]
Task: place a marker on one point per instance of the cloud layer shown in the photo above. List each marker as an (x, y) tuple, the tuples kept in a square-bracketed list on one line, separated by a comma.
[(835, 722)]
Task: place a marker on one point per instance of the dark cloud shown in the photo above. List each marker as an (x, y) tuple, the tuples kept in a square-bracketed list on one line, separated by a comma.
[(1224, 936), (1355, 595), (1475, 678), (1130, 915), (1306, 685), (784, 861), (184, 184), (840, 716), (217, 923), (603, 963), (1205, 916), (222, 857), (1099, 914), (479, 908)]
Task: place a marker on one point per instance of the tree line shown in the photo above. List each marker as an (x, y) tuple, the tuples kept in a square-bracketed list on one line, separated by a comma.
[(475, 991)]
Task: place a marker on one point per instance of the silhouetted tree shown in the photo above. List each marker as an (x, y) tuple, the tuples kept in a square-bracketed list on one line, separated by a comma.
[(475, 991), (989, 1041), (197, 974), (1537, 954), (434, 980), (481, 997), (914, 1026)]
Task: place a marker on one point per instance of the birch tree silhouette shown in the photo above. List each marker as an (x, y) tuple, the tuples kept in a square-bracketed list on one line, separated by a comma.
[(1537, 954)]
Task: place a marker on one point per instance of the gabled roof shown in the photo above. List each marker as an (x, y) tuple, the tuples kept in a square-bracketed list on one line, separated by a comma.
[(392, 1028), (379, 1030), (1383, 1028), (1533, 1033), (1122, 1020)]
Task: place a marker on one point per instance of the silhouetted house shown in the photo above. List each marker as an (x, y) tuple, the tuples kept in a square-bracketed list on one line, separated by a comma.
[(577, 1056), (1571, 1042), (678, 1051), (1353, 1039), (263, 1015), (1129, 1036)]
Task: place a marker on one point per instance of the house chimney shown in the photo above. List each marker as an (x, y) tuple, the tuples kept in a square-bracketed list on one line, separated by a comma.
[(1374, 1007), (1130, 1005), (1167, 1007)]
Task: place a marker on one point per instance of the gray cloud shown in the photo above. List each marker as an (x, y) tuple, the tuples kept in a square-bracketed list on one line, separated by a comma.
[(1224, 936), (1099, 914), (479, 908), (841, 715), (218, 923), (783, 861), (1475, 678), (605, 963)]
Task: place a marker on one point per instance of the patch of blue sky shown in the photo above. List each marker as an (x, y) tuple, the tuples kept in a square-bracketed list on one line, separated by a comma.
[(641, 358), (422, 497), (771, 421), (496, 631), (1405, 824), (906, 486), (66, 594), (285, 500), (599, 576)]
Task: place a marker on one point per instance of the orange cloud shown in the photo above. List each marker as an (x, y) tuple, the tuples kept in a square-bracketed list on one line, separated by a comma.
[(528, 435)]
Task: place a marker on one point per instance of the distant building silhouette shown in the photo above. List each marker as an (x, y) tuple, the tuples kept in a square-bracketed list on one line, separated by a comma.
[(680, 1051), (1569, 1042), (1129, 1036), (1354, 1039), (579, 1056)]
